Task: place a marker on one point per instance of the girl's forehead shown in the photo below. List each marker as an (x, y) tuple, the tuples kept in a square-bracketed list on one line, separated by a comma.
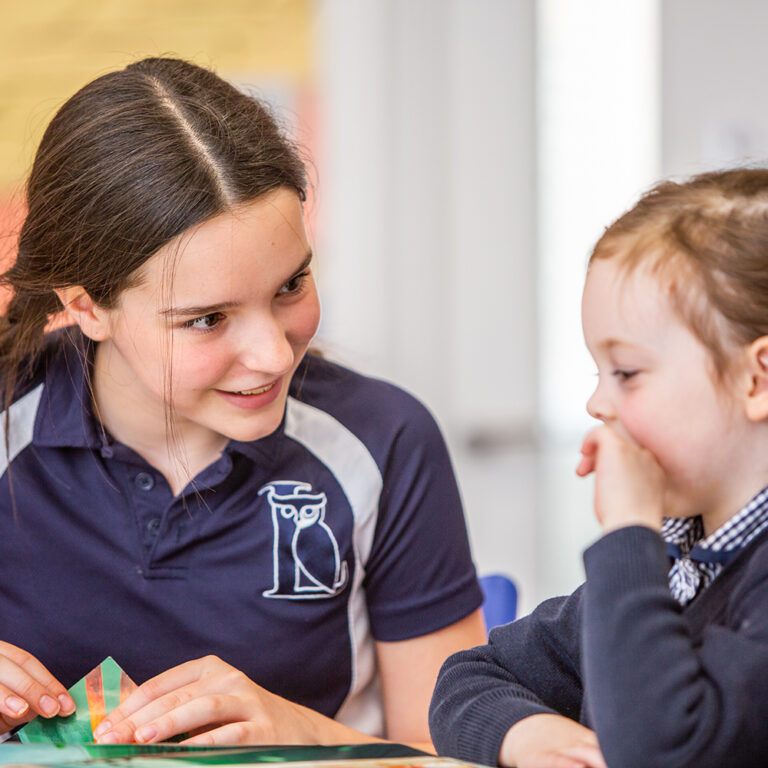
[(256, 242), (620, 301), (611, 283)]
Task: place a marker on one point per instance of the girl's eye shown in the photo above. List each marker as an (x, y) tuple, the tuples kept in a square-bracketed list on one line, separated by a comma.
[(624, 375), (206, 322), (295, 285)]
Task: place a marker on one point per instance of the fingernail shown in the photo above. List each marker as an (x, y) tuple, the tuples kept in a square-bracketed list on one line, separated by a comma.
[(49, 705), (15, 704), (147, 733), (67, 704), (102, 727), (109, 738)]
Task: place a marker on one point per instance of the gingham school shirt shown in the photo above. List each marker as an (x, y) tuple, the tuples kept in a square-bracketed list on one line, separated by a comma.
[(698, 560)]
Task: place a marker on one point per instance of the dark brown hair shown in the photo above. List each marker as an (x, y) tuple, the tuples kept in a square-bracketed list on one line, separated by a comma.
[(132, 160), (707, 239)]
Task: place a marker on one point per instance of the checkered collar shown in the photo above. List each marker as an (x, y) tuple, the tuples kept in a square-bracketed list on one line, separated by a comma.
[(699, 559)]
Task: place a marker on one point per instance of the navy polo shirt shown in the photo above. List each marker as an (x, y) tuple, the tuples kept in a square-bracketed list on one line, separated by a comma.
[(286, 557)]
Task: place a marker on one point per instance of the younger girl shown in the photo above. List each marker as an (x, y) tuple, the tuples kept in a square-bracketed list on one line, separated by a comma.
[(269, 540), (661, 658)]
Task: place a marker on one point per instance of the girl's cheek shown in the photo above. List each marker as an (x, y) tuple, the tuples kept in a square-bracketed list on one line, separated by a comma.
[(632, 426), (196, 367), (649, 434), (304, 321)]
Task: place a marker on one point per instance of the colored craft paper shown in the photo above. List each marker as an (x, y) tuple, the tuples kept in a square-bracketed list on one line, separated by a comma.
[(380, 755), (99, 692)]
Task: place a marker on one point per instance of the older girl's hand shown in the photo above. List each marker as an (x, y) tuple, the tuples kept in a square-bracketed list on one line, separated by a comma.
[(629, 483), (28, 689), (219, 705)]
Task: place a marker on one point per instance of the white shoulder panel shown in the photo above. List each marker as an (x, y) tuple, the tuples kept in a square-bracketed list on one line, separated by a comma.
[(352, 465), (22, 426)]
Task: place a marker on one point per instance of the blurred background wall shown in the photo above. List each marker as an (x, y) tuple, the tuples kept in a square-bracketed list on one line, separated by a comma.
[(465, 156)]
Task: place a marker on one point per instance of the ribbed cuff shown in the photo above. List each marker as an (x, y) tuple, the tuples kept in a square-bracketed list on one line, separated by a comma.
[(486, 723)]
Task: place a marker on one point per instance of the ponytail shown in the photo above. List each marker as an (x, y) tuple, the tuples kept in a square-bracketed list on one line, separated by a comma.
[(22, 331)]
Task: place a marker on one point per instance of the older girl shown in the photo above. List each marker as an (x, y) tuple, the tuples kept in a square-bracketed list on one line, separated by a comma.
[(271, 543)]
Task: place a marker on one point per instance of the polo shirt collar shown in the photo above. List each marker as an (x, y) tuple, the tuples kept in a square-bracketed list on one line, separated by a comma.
[(65, 415), (264, 451)]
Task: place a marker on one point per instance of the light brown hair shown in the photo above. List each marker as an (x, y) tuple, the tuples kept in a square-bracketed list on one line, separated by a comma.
[(707, 239)]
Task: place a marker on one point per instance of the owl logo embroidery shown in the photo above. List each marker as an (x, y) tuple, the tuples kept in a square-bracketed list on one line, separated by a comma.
[(306, 561)]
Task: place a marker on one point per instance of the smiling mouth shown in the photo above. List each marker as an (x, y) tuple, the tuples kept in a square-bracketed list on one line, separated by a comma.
[(257, 391)]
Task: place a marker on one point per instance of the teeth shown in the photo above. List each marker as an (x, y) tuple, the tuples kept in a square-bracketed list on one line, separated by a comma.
[(256, 391)]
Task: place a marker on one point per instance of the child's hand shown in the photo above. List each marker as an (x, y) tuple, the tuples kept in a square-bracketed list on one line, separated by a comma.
[(629, 483), (28, 689), (550, 741)]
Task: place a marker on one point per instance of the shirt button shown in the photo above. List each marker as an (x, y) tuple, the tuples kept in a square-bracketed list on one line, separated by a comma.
[(153, 525), (145, 481)]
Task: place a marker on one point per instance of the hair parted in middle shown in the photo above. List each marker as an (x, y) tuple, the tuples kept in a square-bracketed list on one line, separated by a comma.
[(706, 239), (128, 163)]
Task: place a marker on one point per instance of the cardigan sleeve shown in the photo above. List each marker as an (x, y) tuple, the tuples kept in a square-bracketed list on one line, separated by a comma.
[(528, 667), (658, 692)]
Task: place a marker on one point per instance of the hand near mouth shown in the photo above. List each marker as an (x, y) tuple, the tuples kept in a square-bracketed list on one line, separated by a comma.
[(629, 483)]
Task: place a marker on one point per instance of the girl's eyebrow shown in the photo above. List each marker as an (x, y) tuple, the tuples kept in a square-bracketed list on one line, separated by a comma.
[(210, 309), (611, 344), (199, 311)]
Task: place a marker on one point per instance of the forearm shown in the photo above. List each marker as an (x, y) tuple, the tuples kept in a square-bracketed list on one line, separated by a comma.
[(529, 667), (474, 706), (328, 732)]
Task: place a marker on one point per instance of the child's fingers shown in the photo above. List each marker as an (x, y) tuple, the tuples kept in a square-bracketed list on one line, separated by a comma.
[(588, 754), (552, 760), (589, 447), (585, 466)]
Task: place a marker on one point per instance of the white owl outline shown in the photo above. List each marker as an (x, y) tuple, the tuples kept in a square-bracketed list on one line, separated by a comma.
[(306, 510)]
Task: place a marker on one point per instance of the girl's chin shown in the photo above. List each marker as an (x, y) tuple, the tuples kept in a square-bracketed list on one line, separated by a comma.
[(248, 433), (678, 507)]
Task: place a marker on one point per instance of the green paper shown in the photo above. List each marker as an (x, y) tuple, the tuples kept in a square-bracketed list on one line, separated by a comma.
[(379, 755), (110, 674), (77, 728)]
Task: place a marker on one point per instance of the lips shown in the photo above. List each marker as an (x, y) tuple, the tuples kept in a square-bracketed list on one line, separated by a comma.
[(256, 391), (254, 398)]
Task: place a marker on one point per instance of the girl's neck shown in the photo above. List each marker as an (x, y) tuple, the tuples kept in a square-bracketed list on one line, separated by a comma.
[(179, 450), (748, 475)]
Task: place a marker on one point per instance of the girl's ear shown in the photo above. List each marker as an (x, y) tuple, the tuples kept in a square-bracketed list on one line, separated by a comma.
[(92, 319), (757, 366)]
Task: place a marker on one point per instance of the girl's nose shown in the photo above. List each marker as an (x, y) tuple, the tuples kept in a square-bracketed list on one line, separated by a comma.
[(266, 349), (599, 405)]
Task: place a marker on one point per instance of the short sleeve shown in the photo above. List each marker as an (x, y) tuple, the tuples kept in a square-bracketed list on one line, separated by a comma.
[(420, 576)]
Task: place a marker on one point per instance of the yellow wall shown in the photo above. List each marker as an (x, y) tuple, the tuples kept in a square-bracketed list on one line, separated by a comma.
[(49, 49)]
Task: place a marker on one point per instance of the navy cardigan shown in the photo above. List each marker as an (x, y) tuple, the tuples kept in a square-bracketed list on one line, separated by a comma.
[(661, 685)]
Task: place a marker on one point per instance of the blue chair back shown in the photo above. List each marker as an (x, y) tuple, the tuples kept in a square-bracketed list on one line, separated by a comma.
[(500, 604)]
